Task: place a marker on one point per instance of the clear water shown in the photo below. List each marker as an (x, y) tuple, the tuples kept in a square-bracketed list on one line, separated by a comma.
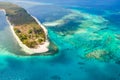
[(80, 31)]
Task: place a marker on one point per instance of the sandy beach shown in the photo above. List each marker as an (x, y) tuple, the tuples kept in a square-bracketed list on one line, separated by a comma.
[(41, 48)]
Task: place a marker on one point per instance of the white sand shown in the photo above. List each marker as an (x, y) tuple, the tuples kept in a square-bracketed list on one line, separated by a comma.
[(41, 48)]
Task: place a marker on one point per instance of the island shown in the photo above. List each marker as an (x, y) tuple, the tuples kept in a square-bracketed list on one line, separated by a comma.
[(27, 30)]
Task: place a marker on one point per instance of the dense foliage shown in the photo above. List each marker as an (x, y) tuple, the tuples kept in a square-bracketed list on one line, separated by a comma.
[(25, 26)]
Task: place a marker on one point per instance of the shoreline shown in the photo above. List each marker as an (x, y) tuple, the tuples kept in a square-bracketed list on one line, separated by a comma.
[(41, 48)]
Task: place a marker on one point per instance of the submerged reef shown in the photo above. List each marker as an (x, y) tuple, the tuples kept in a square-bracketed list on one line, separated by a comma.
[(108, 49), (90, 34)]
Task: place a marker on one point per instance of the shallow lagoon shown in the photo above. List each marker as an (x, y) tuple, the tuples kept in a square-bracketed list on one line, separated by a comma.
[(90, 32)]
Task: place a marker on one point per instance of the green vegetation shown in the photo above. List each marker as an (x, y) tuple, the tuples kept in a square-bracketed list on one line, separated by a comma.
[(25, 26)]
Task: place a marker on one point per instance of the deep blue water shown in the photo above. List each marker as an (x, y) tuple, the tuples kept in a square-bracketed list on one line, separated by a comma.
[(77, 28)]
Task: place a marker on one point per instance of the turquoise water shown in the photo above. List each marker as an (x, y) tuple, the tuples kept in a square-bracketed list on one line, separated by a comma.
[(78, 34)]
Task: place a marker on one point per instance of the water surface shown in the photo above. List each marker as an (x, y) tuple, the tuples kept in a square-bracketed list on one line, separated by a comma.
[(79, 31)]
